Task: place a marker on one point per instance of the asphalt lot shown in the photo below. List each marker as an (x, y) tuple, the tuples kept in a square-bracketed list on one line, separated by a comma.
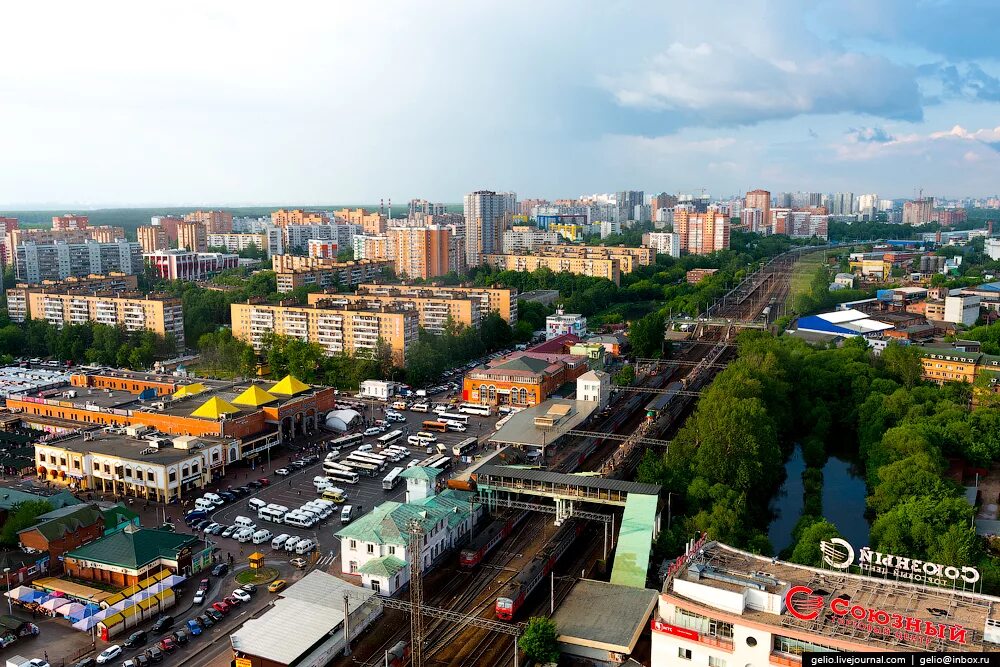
[(296, 489)]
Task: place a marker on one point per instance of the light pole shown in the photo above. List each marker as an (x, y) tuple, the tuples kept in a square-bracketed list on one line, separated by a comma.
[(10, 605)]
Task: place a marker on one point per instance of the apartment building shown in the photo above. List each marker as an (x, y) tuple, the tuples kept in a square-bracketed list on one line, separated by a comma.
[(918, 212), (284, 217), (185, 265), (804, 224), (295, 271), (15, 237), (947, 365), (628, 258), (17, 297), (297, 237), (421, 252), (520, 240), (214, 222), (158, 313), (191, 236), (347, 330), (597, 268), (663, 243), (702, 233), (373, 222), (233, 243), (378, 248), (153, 238), (58, 261), (70, 221), (322, 249), (169, 223), (486, 215), (501, 300), (433, 311)]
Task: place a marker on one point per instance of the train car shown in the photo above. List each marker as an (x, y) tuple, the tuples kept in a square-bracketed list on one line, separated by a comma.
[(483, 543), (399, 655), (466, 480), (658, 404), (517, 590)]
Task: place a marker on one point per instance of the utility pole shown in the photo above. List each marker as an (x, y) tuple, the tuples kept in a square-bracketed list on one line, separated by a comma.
[(416, 594)]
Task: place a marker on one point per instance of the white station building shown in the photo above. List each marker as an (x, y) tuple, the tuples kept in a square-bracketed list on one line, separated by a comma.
[(723, 607)]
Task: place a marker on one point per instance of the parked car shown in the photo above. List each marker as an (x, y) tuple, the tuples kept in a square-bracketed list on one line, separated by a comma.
[(220, 570), (167, 644), (264, 481), (162, 623), (298, 562), (137, 638), (215, 614), (219, 529), (249, 588), (228, 532), (194, 627), (222, 607), (86, 662), (154, 654), (180, 636), (232, 602), (256, 485), (141, 660), (277, 585), (241, 595), (109, 654), (283, 472), (207, 620), (210, 527)]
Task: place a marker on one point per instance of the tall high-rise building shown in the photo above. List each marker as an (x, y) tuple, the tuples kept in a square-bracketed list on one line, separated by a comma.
[(424, 207), (69, 221), (761, 200), (372, 222), (215, 222), (842, 203), (486, 219), (626, 201), (169, 223), (421, 252), (152, 238), (662, 200), (701, 233), (918, 212), (284, 217), (57, 261), (783, 200), (191, 236)]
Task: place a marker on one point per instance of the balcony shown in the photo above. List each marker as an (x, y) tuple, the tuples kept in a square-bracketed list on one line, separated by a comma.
[(785, 659)]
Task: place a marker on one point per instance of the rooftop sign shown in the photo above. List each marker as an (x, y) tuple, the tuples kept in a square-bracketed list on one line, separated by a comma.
[(840, 555)]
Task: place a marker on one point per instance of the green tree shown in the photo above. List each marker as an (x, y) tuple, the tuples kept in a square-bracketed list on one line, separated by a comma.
[(646, 336), (625, 376), (807, 549), (539, 640), (21, 516), (903, 363)]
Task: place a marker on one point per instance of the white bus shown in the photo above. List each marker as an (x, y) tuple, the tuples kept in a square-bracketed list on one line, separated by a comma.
[(465, 448), (271, 514), (346, 441), (392, 480), (455, 417), (330, 467), (379, 465), (348, 476), (372, 456), (473, 409), (367, 469), (439, 461), (389, 438)]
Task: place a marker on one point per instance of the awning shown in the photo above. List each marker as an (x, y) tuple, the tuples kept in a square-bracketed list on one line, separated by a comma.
[(55, 603), (70, 609)]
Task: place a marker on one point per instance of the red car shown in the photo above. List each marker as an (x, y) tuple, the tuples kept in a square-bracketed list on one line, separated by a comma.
[(264, 480), (168, 645), (231, 601), (221, 607)]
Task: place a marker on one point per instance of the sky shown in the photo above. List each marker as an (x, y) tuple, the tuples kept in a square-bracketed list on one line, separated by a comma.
[(187, 103)]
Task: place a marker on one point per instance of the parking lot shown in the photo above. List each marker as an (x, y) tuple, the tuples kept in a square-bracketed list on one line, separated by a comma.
[(297, 488)]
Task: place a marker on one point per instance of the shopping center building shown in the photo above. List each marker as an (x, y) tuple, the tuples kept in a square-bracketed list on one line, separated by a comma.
[(723, 607)]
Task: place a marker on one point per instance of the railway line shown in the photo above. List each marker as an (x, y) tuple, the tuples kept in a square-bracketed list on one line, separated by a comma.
[(475, 593)]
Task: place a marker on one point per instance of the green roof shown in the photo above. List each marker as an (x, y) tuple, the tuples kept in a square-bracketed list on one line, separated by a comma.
[(134, 549), (420, 472), (117, 515), (524, 363), (387, 523), (949, 352), (57, 523), (634, 541), (10, 497), (384, 566)]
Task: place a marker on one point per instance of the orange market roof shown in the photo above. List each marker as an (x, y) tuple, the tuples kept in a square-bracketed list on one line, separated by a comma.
[(289, 386), (190, 390), (214, 408), (254, 396)]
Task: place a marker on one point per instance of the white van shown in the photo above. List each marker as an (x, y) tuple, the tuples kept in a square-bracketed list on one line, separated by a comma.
[(291, 542), (304, 546), (244, 534), (204, 504), (279, 541), (244, 522), (262, 536), (365, 448), (414, 440), (321, 484), (255, 504), (333, 455), (299, 520), (215, 498), (346, 514)]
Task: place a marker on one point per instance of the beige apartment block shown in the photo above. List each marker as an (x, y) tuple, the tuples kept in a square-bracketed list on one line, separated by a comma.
[(158, 313), (433, 311), (596, 268), (503, 300)]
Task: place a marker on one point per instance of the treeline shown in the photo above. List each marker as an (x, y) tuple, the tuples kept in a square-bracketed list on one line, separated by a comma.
[(819, 298), (89, 342), (726, 463)]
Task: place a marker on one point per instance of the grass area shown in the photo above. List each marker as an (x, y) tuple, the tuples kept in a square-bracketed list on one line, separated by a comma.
[(803, 273), (259, 577)]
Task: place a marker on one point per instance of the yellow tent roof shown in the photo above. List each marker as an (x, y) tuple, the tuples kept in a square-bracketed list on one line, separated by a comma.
[(254, 396), (190, 390), (214, 408), (289, 386)]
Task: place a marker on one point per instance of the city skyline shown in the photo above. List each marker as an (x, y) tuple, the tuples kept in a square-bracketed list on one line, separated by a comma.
[(847, 96)]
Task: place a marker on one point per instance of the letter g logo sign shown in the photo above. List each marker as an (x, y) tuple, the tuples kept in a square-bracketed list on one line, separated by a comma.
[(837, 553)]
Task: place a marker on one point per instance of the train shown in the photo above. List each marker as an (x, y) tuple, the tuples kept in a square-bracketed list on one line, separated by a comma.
[(483, 543), (517, 590), (466, 480)]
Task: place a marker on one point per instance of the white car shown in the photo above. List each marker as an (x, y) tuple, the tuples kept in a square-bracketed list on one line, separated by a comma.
[(109, 654), (373, 430), (282, 472), (241, 595)]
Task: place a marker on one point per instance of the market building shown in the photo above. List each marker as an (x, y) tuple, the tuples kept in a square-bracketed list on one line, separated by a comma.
[(521, 379), (64, 529), (720, 606), (130, 556)]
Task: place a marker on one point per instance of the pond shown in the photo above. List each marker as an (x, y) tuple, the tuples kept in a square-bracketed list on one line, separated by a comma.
[(844, 494)]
